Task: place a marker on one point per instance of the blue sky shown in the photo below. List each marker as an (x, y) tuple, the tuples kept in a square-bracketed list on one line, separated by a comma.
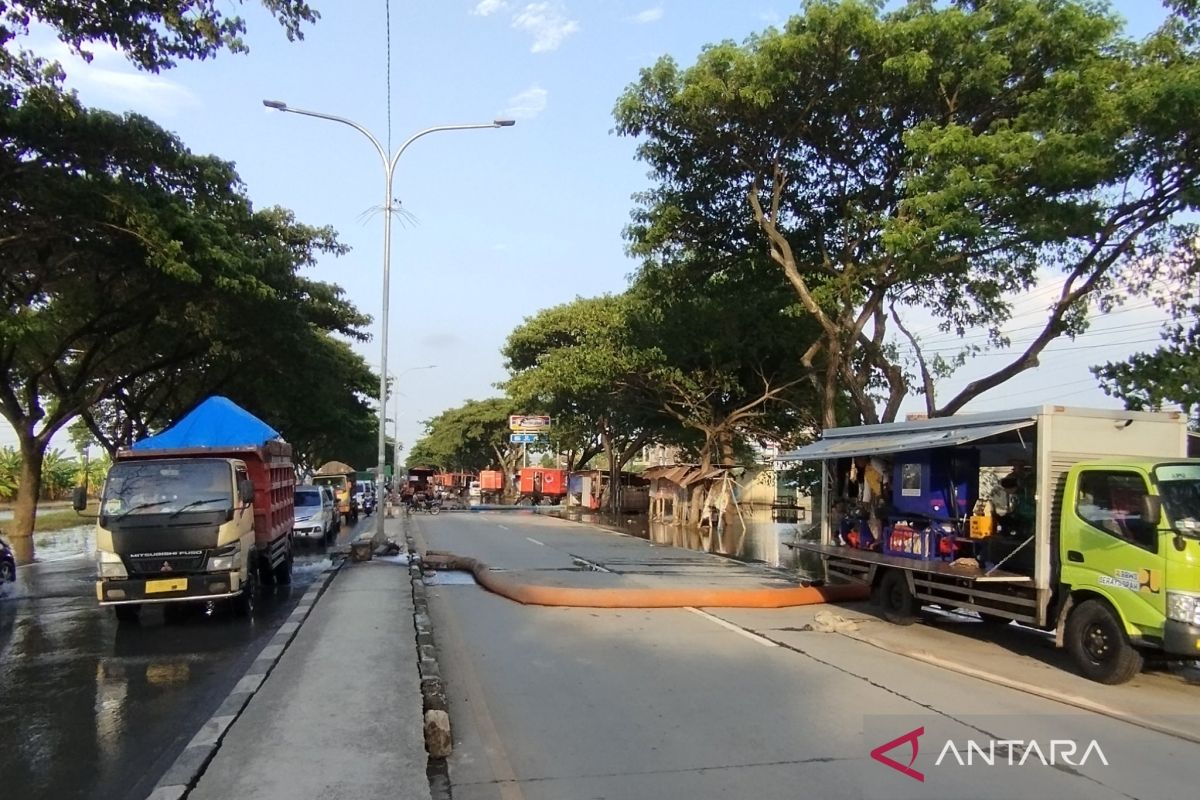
[(503, 222)]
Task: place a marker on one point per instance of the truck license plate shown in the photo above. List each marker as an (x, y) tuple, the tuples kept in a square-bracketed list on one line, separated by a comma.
[(166, 585)]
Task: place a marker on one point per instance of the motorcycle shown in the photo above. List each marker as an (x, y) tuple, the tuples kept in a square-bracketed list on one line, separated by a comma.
[(367, 503), (429, 505)]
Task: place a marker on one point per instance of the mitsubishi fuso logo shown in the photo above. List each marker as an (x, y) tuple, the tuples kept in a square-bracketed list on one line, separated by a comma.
[(166, 567)]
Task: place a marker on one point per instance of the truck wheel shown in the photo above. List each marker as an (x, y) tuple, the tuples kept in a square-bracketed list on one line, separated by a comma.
[(243, 604), (898, 604), (1098, 644), (266, 575), (283, 571), (128, 614)]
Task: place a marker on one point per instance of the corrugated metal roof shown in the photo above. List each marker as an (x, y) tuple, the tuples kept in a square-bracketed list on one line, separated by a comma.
[(873, 442)]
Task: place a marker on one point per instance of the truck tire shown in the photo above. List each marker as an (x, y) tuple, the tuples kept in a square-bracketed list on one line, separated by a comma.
[(243, 604), (896, 601), (283, 570), (1097, 643), (128, 615)]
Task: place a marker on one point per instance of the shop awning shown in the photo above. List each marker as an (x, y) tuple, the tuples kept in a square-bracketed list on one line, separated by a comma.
[(846, 445)]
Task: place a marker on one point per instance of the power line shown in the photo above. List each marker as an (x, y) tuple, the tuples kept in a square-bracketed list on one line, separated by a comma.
[(387, 5)]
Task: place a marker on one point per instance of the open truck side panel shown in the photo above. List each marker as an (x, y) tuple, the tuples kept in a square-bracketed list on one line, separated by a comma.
[(1066, 560)]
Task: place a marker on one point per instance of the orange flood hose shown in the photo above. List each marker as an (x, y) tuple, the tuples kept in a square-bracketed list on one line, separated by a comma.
[(680, 597)]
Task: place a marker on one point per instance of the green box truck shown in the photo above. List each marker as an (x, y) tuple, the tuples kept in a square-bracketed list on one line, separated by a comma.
[(1095, 534)]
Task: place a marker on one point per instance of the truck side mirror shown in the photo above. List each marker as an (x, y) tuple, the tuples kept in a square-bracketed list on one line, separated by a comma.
[(79, 498), (1152, 509), (246, 490)]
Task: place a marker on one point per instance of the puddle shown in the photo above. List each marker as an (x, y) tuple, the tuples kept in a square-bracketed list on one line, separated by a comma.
[(453, 577), (66, 543), (400, 558), (311, 567)]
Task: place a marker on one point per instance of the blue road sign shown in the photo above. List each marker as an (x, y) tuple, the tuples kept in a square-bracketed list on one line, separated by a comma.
[(523, 438)]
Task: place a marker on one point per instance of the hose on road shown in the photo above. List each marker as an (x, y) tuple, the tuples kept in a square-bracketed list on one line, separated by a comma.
[(644, 597)]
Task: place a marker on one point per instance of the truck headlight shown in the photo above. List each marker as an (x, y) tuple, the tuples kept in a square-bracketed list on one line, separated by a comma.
[(110, 565), (226, 559), (1183, 607)]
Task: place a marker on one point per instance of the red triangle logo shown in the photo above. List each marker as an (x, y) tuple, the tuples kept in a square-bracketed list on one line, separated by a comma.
[(912, 739)]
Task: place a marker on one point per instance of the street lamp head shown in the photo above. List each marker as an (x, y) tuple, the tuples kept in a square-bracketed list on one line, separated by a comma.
[(504, 123), (278, 105)]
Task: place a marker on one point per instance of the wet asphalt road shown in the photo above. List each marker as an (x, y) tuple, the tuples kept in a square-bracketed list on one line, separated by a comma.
[(90, 709)]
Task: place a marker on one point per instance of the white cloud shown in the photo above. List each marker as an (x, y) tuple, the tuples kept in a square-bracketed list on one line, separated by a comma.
[(548, 24), (486, 8), (528, 104), (647, 16), (112, 81)]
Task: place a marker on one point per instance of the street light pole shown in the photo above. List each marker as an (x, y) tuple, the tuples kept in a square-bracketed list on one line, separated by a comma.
[(389, 168), (396, 418)]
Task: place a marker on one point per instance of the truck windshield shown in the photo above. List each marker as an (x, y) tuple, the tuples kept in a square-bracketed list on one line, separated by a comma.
[(167, 487), (1179, 487)]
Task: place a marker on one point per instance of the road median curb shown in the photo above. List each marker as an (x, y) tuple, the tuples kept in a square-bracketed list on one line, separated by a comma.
[(438, 739), (181, 777)]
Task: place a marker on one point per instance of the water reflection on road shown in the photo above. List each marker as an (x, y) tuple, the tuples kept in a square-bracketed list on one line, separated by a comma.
[(756, 536), (96, 709)]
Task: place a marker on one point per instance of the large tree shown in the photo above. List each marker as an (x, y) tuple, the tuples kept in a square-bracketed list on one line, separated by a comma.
[(126, 256), (583, 363), (723, 345), (932, 162), (469, 438)]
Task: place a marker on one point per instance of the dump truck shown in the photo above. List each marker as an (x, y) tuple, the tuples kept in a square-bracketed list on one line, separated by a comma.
[(201, 512), (1093, 531), (340, 477)]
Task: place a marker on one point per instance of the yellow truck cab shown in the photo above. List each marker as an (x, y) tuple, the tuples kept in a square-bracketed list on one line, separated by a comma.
[(339, 477)]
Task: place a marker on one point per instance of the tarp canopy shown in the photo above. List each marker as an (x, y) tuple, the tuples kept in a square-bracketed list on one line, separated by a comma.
[(845, 446), (217, 422)]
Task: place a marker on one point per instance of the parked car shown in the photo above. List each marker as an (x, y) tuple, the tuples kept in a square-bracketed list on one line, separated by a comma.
[(314, 515), (335, 512), (8, 564)]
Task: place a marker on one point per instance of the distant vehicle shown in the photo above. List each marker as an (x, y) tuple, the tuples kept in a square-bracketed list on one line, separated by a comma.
[(314, 513), (473, 490), (8, 564), (334, 513), (364, 492), (339, 476)]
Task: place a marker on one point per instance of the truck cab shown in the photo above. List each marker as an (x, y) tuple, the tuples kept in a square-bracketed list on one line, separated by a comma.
[(1130, 542), (172, 528)]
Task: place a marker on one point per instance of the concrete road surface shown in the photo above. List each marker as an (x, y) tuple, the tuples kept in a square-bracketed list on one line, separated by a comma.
[(559, 703), (91, 709)]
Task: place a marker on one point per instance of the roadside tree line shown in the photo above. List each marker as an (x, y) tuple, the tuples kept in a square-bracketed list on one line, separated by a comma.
[(834, 200), (136, 276)]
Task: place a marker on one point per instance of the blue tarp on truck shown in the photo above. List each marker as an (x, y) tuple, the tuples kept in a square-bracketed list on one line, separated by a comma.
[(217, 422)]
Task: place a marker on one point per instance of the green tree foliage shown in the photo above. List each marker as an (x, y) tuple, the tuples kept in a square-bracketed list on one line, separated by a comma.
[(724, 346), (469, 438), (127, 257), (1170, 374), (584, 364), (154, 34), (935, 160)]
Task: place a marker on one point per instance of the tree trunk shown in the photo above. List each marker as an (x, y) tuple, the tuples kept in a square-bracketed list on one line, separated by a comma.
[(25, 507)]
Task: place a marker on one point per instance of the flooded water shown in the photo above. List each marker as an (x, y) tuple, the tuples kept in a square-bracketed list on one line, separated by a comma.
[(75, 542), (756, 537)]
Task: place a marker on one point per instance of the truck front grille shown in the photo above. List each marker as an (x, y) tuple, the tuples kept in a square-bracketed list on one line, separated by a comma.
[(163, 566)]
